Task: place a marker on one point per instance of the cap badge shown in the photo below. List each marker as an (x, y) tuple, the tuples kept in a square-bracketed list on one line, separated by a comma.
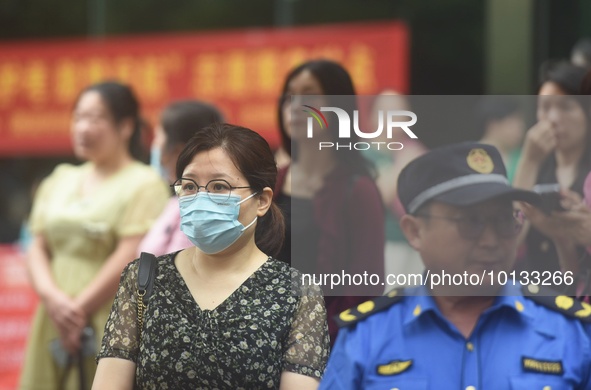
[(480, 161)]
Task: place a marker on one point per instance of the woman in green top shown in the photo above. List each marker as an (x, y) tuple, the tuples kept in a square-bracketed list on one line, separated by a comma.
[(87, 222)]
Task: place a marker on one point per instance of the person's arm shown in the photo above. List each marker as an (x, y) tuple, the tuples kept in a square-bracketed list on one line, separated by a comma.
[(104, 285), (293, 381), (114, 374), (557, 227), (307, 348), (577, 225), (138, 216), (577, 218), (62, 309), (38, 267), (119, 350), (540, 142)]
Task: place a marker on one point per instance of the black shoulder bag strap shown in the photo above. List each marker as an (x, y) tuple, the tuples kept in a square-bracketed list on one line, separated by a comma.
[(145, 284)]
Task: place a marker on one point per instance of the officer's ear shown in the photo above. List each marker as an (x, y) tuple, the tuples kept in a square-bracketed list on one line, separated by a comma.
[(411, 227)]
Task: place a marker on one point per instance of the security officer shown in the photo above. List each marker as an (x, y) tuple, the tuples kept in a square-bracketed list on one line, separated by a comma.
[(460, 219)]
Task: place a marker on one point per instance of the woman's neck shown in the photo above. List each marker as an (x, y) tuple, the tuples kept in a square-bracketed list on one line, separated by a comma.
[(569, 158), (314, 162), (111, 165), (306, 175), (244, 259)]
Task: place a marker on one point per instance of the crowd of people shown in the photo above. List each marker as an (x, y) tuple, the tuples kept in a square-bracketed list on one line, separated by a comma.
[(235, 226)]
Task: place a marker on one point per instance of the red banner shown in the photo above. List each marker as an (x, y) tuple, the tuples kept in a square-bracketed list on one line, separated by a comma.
[(240, 71), (17, 303)]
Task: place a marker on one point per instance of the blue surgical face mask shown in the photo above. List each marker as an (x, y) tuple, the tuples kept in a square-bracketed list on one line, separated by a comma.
[(212, 226), (155, 155)]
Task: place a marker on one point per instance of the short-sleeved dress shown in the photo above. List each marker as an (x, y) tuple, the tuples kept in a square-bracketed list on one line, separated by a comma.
[(262, 329), (81, 233)]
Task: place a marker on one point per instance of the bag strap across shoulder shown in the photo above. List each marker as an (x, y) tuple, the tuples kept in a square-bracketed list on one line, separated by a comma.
[(146, 274), (145, 285)]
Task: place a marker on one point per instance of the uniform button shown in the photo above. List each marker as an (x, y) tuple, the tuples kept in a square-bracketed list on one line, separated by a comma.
[(470, 346), (470, 388)]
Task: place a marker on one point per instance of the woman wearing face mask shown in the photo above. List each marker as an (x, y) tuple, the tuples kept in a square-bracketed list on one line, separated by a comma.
[(87, 222), (178, 123), (223, 314), (557, 149)]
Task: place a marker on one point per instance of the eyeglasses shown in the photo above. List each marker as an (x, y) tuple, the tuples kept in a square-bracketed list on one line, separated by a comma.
[(218, 190), (471, 227)]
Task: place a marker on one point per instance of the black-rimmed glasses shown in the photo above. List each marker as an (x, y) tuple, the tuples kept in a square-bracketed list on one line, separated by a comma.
[(218, 190), (471, 227)]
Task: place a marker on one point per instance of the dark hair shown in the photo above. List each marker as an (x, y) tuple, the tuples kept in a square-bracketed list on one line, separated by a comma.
[(253, 157), (570, 79), (335, 81), (493, 108), (122, 104), (566, 75), (181, 119)]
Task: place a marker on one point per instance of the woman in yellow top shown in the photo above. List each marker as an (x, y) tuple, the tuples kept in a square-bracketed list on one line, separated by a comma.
[(87, 222)]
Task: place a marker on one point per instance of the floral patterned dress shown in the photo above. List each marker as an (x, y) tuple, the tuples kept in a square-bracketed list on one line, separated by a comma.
[(262, 329)]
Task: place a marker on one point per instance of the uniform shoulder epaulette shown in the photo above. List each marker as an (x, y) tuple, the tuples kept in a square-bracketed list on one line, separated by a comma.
[(553, 300), (367, 308)]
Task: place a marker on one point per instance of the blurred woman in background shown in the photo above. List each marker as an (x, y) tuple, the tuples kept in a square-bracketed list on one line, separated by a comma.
[(178, 123), (557, 150), (87, 222), (337, 224)]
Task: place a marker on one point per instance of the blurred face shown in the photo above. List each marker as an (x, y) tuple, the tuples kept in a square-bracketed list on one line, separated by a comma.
[(216, 164), (565, 115), (95, 136), (303, 83), (168, 154), (445, 237), (168, 160)]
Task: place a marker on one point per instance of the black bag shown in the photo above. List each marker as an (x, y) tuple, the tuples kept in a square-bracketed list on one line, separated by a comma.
[(145, 284)]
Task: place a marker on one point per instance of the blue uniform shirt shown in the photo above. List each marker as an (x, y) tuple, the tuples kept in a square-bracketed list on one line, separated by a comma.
[(516, 344)]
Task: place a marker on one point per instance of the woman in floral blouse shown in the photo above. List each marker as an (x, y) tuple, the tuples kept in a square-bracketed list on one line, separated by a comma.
[(223, 314)]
